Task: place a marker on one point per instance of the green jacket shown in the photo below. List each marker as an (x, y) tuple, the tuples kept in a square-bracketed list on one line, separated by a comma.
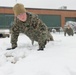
[(33, 27), (68, 31)]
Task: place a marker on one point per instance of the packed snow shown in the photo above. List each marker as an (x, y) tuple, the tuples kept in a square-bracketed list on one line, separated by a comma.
[(58, 58)]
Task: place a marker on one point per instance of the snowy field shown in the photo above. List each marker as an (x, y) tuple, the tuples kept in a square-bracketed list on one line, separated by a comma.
[(58, 58)]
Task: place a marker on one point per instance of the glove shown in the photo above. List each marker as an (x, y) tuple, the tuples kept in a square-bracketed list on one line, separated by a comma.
[(11, 48)]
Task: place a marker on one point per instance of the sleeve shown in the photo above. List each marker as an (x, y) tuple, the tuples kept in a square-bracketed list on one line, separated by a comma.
[(14, 35), (38, 23), (34, 21), (65, 32)]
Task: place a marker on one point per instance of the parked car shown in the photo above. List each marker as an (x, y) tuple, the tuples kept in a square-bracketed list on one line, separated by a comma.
[(4, 33)]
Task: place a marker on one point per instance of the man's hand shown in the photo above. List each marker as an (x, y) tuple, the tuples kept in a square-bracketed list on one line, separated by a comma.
[(11, 48)]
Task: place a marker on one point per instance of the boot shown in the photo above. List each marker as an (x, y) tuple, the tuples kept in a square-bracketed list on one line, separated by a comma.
[(40, 49)]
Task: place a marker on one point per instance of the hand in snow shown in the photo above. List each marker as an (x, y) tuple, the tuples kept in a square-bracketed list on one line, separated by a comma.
[(10, 48)]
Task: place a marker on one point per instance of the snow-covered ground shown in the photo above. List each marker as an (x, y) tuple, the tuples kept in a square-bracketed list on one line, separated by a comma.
[(58, 58)]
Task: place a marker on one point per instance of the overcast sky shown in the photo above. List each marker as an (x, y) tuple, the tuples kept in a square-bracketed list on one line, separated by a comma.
[(49, 4)]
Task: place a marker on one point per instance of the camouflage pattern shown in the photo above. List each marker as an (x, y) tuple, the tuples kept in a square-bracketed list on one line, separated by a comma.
[(49, 37), (68, 31), (33, 27)]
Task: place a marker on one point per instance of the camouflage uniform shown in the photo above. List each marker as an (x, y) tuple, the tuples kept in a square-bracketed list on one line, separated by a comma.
[(68, 31), (33, 27), (49, 37)]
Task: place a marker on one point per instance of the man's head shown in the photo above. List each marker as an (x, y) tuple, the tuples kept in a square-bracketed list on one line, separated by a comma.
[(68, 27), (20, 12), (18, 9)]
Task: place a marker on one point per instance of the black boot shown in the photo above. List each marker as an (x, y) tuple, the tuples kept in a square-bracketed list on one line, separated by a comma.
[(40, 49), (11, 48)]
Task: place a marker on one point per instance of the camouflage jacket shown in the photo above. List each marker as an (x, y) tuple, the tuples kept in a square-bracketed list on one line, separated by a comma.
[(33, 27), (68, 31)]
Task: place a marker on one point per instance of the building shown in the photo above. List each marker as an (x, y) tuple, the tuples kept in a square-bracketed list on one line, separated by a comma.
[(53, 18)]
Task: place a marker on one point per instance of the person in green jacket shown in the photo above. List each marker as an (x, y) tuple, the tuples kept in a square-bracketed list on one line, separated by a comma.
[(68, 30), (29, 24)]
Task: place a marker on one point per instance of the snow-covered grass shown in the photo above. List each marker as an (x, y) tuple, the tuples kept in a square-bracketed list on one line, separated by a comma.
[(58, 58)]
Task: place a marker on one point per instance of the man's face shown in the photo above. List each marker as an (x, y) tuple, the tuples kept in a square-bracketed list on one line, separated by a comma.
[(22, 17), (68, 27)]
